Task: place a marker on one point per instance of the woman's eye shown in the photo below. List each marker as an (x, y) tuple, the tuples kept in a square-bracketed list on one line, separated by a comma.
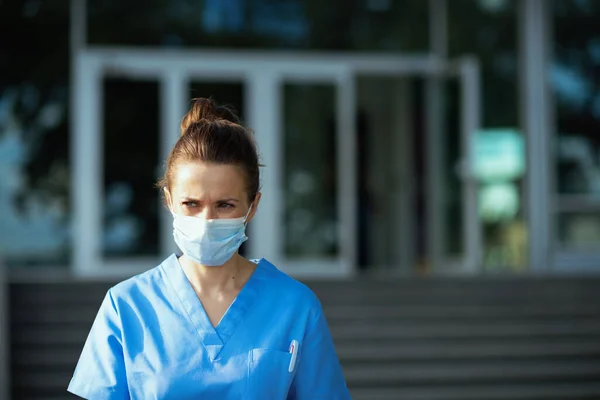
[(225, 205), (190, 204)]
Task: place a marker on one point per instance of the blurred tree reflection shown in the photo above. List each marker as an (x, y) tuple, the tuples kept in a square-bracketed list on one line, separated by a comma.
[(34, 67), (269, 24), (575, 80)]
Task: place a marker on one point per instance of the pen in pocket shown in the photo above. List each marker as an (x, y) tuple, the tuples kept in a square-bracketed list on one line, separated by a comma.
[(294, 352)]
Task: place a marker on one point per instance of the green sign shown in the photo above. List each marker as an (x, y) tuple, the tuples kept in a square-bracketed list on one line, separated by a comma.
[(498, 155)]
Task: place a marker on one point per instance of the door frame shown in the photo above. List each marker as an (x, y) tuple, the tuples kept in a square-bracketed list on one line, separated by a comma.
[(262, 73)]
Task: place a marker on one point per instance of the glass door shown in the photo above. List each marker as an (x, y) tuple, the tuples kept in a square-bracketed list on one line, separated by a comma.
[(303, 109), (302, 115), (418, 190), (299, 110), (453, 113), (309, 125)]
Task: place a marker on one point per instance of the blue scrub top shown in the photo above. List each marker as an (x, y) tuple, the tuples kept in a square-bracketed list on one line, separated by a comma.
[(152, 339)]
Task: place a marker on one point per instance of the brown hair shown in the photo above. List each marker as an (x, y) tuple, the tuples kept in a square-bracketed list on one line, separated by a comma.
[(214, 134)]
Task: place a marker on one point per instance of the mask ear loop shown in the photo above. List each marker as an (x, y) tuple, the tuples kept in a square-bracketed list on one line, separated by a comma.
[(248, 213)]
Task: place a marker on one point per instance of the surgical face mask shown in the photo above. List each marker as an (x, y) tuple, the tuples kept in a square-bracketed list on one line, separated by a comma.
[(209, 242)]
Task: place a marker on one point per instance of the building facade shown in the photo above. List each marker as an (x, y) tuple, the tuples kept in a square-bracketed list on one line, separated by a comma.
[(399, 138)]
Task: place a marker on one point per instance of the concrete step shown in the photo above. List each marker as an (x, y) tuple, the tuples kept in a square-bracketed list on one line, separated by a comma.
[(580, 391), (533, 391), (49, 337), (521, 287), (533, 329), (441, 339), (56, 359), (402, 374), (33, 297), (464, 312), (47, 381), (80, 313), (436, 291), (66, 357), (68, 334), (399, 351)]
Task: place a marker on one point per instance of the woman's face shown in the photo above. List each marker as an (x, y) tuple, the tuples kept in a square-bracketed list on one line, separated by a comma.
[(213, 191)]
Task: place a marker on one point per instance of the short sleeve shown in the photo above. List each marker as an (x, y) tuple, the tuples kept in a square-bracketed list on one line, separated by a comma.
[(100, 372), (319, 375)]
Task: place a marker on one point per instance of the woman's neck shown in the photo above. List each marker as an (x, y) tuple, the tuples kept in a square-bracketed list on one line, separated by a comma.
[(228, 277)]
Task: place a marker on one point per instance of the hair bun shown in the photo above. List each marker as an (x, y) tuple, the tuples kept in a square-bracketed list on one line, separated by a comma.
[(207, 110)]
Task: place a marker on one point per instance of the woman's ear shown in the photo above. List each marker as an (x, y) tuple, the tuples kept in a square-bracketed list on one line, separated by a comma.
[(168, 199), (254, 206)]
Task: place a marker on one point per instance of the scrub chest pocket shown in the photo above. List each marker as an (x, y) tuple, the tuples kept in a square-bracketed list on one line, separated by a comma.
[(269, 376)]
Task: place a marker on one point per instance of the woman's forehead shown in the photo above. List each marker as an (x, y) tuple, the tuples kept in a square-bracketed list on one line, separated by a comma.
[(215, 180)]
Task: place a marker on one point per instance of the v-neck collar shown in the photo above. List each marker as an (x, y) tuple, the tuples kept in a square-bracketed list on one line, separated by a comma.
[(213, 339)]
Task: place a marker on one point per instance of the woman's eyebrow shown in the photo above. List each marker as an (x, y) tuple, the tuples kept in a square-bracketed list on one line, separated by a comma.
[(224, 200)]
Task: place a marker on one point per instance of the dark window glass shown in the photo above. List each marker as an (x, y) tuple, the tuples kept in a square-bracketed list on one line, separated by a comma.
[(307, 24), (131, 166), (34, 137), (575, 82), (310, 171)]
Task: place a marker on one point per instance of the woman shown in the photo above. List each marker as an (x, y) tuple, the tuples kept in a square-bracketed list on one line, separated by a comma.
[(209, 324)]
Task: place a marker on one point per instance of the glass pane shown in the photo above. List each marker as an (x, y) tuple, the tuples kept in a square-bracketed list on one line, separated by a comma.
[(574, 74), (34, 134), (131, 166), (304, 24), (489, 30), (451, 153), (378, 132), (311, 218), (420, 196), (228, 94), (579, 231), (390, 212)]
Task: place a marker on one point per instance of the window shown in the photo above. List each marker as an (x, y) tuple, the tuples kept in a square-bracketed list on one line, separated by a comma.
[(34, 137), (276, 24), (574, 79), (488, 29)]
